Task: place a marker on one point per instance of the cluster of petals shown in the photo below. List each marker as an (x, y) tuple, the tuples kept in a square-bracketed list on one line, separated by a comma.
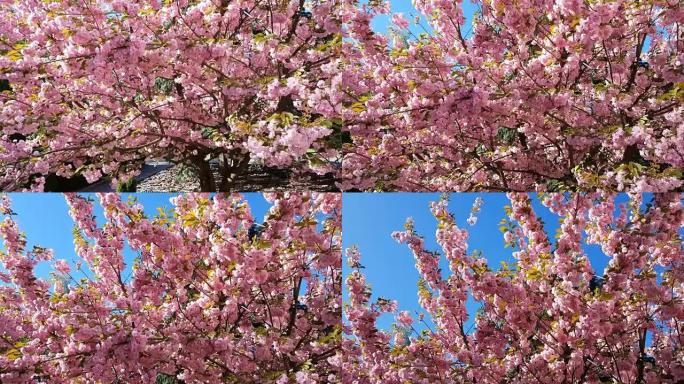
[(97, 89), (548, 317), (528, 95), (211, 296)]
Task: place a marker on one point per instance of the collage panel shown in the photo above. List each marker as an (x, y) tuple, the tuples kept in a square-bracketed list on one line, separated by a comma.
[(514, 95), (517, 288), (170, 288), (353, 95), (169, 95)]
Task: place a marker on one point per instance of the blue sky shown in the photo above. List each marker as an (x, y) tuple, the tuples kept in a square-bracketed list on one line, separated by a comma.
[(44, 217), (369, 219)]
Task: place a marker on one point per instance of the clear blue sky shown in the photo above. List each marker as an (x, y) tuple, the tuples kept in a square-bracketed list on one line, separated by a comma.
[(44, 217), (368, 221)]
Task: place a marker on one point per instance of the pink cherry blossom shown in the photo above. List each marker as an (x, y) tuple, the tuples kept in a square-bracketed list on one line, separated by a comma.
[(98, 88), (549, 317), (538, 95), (208, 299)]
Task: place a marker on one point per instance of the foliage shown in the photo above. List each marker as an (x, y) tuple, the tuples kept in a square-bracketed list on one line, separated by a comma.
[(127, 186)]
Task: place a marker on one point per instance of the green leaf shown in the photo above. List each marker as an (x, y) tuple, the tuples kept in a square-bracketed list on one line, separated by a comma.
[(128, 186), (262, 244), (533, 274), (164, 85), (260, 38), (358, 107), (507, 135), (163, 378)]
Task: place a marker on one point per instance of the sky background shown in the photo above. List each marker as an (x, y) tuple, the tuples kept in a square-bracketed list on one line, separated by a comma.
[(369, 219), (44, 217)]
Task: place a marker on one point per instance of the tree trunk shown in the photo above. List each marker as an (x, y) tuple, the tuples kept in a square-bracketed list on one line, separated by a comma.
[(206, 177), (640, 360), (233, 165)]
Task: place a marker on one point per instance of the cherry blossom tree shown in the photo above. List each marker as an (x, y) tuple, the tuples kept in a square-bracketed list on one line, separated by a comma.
[(213, 295), (551, 95), (96, 88), (549, 317)]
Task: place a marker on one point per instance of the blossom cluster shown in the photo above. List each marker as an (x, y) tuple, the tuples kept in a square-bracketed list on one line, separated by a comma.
[(211, 296), (548, 317), (97, 89), (530, 95)]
